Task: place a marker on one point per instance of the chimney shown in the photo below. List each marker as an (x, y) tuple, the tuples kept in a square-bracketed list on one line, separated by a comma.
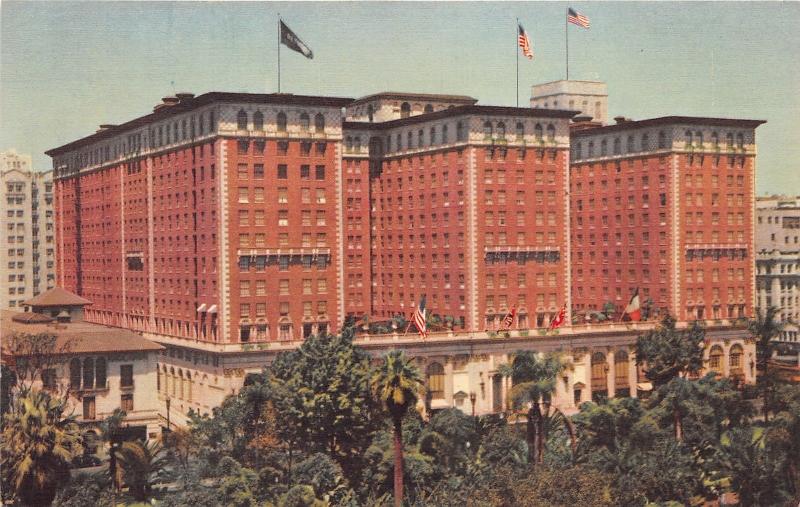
[(184, 96), (583, 122), (166, 102), (621, 119)]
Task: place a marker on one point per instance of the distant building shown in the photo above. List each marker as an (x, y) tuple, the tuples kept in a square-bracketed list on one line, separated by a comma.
[(103, 368), (590, 98), (27, 257), (778, 260)]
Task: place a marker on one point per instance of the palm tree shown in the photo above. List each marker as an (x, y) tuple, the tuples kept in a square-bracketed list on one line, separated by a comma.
[(141, 464), (397, 383), (109, 430), (39, 441), (764, 328), (534, 379)]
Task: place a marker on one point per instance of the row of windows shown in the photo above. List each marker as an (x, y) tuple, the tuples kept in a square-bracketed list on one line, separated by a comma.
[(304, 120), (282, 172), (694, 140)]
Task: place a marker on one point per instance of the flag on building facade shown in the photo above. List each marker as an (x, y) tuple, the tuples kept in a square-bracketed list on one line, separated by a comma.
[(293, 42), (508, 320), (419, 318), (559, 319), (576, 18), (524, 42), (634, 309)]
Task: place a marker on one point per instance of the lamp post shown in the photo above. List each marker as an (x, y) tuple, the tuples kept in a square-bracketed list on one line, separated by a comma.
[(472, 399), (169, 428)]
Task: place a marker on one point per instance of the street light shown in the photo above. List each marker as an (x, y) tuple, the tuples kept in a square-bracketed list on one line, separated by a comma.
[(168, 425), (472, 399)]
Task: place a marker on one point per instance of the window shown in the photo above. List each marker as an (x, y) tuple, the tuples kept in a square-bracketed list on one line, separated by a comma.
[(281, 122), (49, 378), (305, 122), (283, 195), (435, 374), (320, 172), (75, 374), (88, 408), (100, 368), (258, 121), (88, 373), (258, 171), (126, 402), (551, 132), (241, 120), (487, 130), (405, 110), (283, 172), (319, 123), (126, 375)]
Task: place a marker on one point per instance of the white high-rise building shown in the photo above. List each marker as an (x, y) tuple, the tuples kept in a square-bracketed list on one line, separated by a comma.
[(27, 257), (778, 260), (588, 97)]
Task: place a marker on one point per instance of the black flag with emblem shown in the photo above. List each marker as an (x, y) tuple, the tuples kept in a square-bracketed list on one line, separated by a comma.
[(292, 41)]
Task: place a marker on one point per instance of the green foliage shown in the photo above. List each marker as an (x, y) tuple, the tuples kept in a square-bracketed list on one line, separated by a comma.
[(668, 352), (142, 465), (39, 441), (85, 489)]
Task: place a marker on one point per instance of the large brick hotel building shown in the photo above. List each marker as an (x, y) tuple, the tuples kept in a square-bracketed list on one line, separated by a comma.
[(228, 224)]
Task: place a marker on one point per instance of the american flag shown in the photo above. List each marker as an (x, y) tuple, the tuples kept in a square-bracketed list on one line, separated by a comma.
[(508, 320), (524, 43), (576, 18), (419, 319)]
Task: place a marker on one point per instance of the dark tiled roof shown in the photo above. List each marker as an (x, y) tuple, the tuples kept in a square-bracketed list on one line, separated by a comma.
[(187, 104), (668, 120), (57, 297), (416, 96)]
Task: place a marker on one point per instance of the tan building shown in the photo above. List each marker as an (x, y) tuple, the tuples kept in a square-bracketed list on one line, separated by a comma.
[(778, 260), (588, 97), (27, 259), (100, 368)]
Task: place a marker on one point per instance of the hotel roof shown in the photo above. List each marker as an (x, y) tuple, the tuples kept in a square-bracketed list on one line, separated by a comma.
[(668, 120), (57, 297)]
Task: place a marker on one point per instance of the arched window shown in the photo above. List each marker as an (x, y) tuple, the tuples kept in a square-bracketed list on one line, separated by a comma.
[(405, 110), (460, 133), (715, 358), (428, 108), (241, 120), (88, 373), (662, 140), (420, 138), (399, 146), (551, 132), (487, 130), (319, 123), (715, 140), (735, 358), (433, 135), (173, 380), (698, 139), (258, 120), (305, 122), (631, 145), (538, 132), (520, 131), (75, 374), (281, 122), (617, 146), (410, 140), (645, 142), (729, 140), (578, 150), (740, 140), (445, 136), (100, 374), (591, 149), (689, 138), (599, 370), (501, 130), (621, 371), (603, 148), (435, 374), (370, 113)]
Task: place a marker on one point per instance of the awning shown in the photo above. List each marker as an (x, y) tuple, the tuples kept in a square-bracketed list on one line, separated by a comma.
[(201, 308), (212, 309), (644, 386)]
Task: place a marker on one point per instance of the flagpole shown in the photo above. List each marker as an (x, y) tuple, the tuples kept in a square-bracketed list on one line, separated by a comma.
[(516, 50), (279, 53), (566, 36)]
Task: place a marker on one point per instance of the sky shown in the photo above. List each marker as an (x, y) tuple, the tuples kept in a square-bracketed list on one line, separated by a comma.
[(67, 67)]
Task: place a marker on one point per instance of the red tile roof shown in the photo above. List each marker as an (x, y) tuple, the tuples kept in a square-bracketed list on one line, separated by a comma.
[(57, 297)]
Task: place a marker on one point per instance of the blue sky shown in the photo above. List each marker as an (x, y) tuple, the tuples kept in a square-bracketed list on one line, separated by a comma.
[(66, 67)]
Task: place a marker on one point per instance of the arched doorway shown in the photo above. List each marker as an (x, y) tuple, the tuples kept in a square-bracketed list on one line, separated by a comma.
[(599, 376), (621, 374)]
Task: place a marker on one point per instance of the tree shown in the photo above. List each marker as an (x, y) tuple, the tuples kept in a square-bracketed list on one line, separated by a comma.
[(34, 354), (142, 464), (109, 433), (397, 383), (38, 442), (322, 399), (764, 328), (534, 380), (447, 438), (667, 352)]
